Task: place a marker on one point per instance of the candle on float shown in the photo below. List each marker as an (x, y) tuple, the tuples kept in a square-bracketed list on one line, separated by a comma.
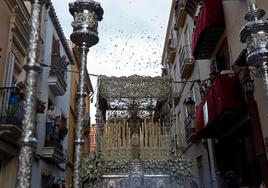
[(159, 135), (129, 137), (252, 1), (164, 127), (154, 135), (252, 5), (120, 134), (114, 136), (106, 136), (142, 134), (123, 132), (144, 121), (127, 141), (148, 133), (112, 133), (109, 137), (140, 137)]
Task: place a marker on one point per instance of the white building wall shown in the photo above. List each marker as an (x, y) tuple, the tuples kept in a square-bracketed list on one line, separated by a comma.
[(62, 107), (201, 71), (234, 12)]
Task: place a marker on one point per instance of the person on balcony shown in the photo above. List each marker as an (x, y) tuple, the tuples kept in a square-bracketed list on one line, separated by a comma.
[(12, 101), (57, 127), (50, 122)]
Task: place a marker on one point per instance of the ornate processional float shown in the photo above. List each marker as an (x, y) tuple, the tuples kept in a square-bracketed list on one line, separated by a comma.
[(133, 142)]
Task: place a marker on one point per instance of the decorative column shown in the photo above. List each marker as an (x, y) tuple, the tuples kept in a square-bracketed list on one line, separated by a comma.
[(86, 15), (32, 68), (255, 35)]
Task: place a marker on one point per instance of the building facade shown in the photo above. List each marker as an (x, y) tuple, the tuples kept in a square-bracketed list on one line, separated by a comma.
[(225, 132), (14, 23), (54, 88)]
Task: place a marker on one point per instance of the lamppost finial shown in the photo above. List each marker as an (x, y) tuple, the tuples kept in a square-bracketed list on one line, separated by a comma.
[(86, 15)]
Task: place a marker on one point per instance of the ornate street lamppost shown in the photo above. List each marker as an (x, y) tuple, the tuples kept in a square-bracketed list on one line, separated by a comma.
[(255, 35), (86, 15), (32, 68), (190, 106)]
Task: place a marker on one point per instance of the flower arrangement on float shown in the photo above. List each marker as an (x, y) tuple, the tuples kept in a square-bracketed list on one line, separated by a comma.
[(94, 168), (177, 166)]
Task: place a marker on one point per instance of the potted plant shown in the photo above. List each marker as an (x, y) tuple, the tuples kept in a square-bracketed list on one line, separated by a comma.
[(41, 106), (21, 89)]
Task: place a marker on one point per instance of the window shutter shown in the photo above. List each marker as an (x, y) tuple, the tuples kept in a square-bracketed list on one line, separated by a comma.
[(10, 70)]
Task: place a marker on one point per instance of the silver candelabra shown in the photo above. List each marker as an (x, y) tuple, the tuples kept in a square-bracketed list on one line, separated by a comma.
[(86, 15), (255, 35)]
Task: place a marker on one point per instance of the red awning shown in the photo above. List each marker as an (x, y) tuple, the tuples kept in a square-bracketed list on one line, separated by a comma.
[(211, 14), (224, 95)]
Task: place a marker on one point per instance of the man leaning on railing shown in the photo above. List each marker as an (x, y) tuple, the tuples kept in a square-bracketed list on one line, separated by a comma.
[(50, 124)]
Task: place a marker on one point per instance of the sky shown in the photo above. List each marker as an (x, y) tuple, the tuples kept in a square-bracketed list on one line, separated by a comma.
[(131, 34)]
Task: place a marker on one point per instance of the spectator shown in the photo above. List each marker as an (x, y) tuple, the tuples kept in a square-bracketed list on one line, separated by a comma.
[(50, 122)]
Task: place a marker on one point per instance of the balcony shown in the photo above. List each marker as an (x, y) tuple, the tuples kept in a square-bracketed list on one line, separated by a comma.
[(176, 93), (11, 114), (186, 62), (208, 29), (180, 13), (222, 108), (52, 150), (189, 128), (171, 51), (53, 153), (55, 133), (182, 8), (191, 7), (57, 75)]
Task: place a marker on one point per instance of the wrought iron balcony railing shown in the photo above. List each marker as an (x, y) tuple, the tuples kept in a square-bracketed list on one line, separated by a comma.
[(11, 106), (58, 75), (189, 128), (53, 149), (11, 114), (186, 61), (180, 12)]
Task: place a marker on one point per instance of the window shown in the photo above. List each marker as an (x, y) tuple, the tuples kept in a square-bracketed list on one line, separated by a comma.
[(187, 36), (10, 78), (222, 59), (55, 46)]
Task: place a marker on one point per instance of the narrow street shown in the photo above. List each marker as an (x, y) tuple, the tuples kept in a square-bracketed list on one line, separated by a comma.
[(134, 94)]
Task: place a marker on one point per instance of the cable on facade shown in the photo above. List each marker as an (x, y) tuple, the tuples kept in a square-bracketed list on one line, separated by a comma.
[(45, 65)]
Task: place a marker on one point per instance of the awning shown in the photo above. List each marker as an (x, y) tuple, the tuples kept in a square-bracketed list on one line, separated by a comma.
[(224, 97), (208, 29)]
